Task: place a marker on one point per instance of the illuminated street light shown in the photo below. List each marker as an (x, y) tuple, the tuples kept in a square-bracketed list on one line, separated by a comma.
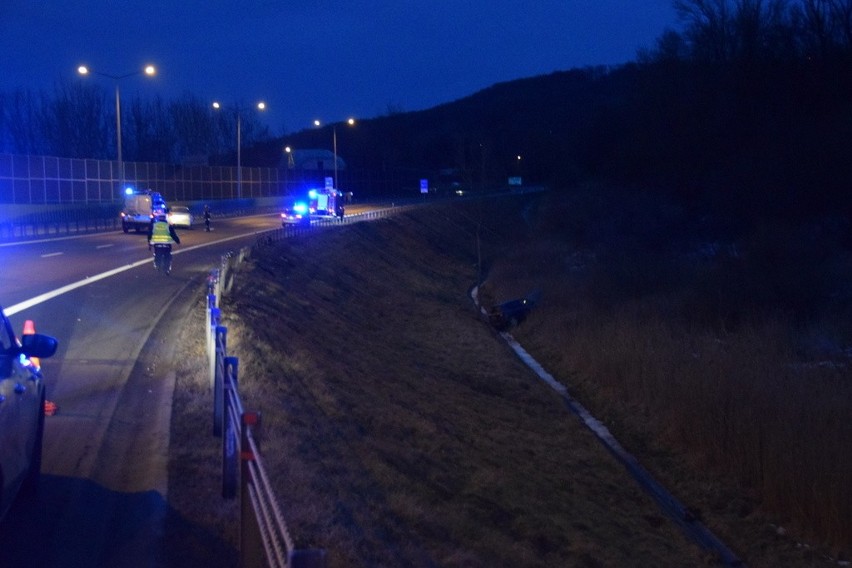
[(289, 151), (149, 70), (350, 122), (260, 106), (290, 164)]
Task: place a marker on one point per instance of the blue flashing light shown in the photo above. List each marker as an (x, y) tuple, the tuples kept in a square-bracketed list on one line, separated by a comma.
[(128, 191), (312, 193), (300, 207)]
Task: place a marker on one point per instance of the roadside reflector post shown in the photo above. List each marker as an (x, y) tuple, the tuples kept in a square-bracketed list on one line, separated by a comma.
[(250, 421), (213, 282)]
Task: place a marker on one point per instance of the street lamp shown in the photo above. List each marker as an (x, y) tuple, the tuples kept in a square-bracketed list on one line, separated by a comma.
[(290, 164), (149, 70), (350, 122), (260, 106)]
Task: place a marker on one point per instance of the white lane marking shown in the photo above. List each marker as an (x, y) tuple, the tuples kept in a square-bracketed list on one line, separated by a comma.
[(67, 288), (53, 239), (10, 310), (103, 246), (48, 255)]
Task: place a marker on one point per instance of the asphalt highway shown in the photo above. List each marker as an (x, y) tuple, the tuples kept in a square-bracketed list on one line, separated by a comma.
[(104, 479)]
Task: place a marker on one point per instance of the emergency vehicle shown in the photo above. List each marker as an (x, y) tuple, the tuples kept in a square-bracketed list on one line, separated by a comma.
[(139, 208), (325, 202), (296, 214)]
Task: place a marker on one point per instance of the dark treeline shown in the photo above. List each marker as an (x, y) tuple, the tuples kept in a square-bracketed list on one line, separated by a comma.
[(747, 107), (77, 120)]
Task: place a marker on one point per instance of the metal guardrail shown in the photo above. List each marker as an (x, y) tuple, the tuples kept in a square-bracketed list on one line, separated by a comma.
[(55, 221), (265, 540), (51, 225)]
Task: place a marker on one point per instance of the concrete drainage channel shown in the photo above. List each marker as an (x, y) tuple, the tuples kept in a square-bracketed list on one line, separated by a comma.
[(671, 507)]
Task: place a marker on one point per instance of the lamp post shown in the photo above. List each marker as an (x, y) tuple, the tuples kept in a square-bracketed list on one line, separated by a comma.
[(260, 106), (350, 122), (149, 70), (290, 164)]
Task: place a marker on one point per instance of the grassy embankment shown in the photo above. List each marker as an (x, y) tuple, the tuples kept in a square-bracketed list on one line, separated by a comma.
[(401, 432)]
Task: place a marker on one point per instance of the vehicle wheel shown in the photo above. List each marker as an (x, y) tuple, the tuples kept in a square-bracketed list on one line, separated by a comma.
[(31, 481)]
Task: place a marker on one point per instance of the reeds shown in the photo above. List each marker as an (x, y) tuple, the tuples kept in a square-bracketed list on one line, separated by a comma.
[(734, 360)]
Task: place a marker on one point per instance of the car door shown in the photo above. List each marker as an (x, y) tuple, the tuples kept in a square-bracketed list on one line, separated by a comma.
[(20, 397)]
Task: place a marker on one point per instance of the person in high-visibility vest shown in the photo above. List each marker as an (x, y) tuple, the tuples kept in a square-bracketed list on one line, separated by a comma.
[(161, 235)]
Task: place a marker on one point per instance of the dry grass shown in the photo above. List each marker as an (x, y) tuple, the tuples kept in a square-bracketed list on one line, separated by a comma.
[(709, 373), (401, 432)]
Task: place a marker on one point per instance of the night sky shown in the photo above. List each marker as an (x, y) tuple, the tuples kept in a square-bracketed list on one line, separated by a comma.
[(318, 59)]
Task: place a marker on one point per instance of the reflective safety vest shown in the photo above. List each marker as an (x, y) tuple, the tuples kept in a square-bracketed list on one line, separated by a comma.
[(160, 234)]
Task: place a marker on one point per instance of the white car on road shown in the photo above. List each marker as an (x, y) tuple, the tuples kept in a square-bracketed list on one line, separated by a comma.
[(180, 216)]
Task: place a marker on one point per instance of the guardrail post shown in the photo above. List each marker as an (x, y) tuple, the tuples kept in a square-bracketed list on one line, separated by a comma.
[(229, 439), (219, 379), (252, 549), (213, 317)]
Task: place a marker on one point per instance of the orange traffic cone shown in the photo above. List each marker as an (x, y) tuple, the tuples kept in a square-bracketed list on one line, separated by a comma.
[(50, 407), (29, 329)]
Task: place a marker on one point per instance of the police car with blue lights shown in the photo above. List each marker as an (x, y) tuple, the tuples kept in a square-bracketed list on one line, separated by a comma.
[(296, 213)]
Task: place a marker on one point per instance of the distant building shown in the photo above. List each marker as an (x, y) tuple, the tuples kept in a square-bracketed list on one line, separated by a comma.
[(310, 167), (312, 160)]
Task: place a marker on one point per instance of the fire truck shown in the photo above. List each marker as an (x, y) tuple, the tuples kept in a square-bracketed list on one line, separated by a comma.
[(139, 208), (325, 202)]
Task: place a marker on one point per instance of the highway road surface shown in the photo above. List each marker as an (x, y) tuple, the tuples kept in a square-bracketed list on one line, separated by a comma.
[(104, 489)]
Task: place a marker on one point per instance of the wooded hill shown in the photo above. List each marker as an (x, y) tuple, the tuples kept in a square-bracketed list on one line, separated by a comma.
[(747, 111)]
